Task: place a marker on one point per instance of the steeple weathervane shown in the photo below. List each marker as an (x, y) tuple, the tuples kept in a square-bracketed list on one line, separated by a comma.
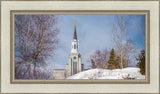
[(74, 22), (75, 33)]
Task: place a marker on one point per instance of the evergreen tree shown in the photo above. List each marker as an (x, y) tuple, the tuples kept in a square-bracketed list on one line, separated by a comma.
[(111, 62), (93, 65), (141, 62), (117, 63)]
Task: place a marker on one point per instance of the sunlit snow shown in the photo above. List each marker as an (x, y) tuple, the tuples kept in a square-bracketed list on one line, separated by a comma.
[(126, 73)]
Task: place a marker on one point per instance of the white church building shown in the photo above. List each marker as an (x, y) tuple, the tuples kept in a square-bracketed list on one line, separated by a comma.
[(75, 61)]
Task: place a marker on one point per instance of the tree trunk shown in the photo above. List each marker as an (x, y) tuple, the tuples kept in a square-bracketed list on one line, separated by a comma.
[(121, 26)]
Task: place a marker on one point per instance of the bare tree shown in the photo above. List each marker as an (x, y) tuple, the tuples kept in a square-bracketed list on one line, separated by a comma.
[(99, 59), (119, 31), (129, 51), (123, 43), (35, 40)]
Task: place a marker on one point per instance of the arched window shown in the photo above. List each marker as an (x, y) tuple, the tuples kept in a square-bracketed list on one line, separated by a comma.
[(74, 46), (74, 67)]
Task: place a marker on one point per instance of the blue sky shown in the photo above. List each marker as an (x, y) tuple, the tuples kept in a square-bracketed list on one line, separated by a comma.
[(93, 32)]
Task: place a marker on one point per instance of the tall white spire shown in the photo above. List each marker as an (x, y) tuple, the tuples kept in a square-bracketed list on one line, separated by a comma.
[(74, 48)]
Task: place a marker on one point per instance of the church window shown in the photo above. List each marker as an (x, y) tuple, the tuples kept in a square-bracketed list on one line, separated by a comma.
[(74, 57), (74, 67), (74, 46), (71, 64)]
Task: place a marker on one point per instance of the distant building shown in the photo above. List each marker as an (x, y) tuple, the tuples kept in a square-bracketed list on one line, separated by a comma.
[(75, 61), (59, 74)]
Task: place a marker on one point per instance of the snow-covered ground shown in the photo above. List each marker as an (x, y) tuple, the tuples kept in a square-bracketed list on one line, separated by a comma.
[(126, 73)]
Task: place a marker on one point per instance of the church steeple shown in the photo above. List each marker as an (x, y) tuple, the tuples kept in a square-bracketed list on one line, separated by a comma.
[(74, 41), (75, 33), (75, 60)]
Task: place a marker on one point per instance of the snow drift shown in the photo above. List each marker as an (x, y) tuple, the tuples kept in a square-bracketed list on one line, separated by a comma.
[(126, 73)]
